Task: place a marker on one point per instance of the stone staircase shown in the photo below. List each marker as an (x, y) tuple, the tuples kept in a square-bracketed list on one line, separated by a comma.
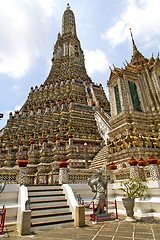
[(49, 207), (99, 160)]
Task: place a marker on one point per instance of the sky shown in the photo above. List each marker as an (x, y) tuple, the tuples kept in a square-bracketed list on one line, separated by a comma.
[(29, 28)]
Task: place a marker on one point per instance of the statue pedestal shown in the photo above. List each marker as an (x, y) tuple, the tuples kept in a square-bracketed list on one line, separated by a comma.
[(101, 217)]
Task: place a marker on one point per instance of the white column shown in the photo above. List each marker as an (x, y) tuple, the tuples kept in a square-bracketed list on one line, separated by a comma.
[(63, 175), (154, 173)]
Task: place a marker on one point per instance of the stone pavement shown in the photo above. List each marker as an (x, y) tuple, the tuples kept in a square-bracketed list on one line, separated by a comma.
[(108, 230)]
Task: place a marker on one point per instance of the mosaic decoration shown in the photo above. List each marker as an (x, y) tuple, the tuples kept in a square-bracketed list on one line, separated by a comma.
[(154, 173), (63, 175), (22, 176), (134, 173)]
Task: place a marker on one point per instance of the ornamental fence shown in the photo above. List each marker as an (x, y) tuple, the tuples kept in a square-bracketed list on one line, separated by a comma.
[(9, 175), (110, 213), (77, 176), (80, 176)]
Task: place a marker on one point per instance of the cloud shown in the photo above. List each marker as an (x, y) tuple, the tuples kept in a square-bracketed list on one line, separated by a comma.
[(48, 6), (95, 61), (142, 16), (23, 34)]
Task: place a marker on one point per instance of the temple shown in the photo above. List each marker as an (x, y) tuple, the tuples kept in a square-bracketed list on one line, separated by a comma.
[(134, 93), (69, 117), (60, 118)]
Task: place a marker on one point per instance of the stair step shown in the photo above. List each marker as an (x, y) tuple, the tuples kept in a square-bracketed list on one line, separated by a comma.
[(37, 224), (44, 194), (46, 198), (54, 224), (51, 217), (45, 188), (47, 201), (44, 185), (48, 207), (48, 204), (53, 210)]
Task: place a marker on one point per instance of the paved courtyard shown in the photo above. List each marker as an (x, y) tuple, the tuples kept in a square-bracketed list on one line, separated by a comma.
[(108, 230)]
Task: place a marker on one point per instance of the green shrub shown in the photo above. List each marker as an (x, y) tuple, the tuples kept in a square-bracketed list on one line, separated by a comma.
[(133, 188)]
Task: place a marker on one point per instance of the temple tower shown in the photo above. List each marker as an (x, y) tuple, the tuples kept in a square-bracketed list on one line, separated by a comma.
[(135, 107), (58, 117)]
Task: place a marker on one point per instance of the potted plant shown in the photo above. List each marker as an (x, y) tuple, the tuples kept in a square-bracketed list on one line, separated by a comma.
[(132, 188)]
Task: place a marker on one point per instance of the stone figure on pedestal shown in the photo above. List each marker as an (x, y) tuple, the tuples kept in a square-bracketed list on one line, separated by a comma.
[(98, 186)]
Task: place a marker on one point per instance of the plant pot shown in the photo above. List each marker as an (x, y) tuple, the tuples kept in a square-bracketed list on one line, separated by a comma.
[(128, 203)]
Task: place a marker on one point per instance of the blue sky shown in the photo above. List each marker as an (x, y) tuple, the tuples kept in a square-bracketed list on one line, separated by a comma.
[(29, 30)]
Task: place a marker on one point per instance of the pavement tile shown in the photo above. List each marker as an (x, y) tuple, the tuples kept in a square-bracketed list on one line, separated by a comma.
[(123, 238), (56, 236), (110, 227), (155, 226), (84, 238), (151, 238), (69, 235), (157, 238), (109, 232), (144, 239), (125, 229), (128, 234), (143, 230), (156, 231), (157, 235), (144, 235), (104, 238), (123, 223)]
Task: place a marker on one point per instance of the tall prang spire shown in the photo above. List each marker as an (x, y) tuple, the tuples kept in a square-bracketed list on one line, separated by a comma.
[(137, 57), (68, 57)]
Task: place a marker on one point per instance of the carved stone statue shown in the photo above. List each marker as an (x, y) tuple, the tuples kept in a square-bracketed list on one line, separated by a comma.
[(126, 141), (148, 142), (2, 186), (98, 186), (137, 139)]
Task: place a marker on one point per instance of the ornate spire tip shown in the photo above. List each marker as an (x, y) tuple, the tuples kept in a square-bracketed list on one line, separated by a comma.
[(68, 7), (131, 35)]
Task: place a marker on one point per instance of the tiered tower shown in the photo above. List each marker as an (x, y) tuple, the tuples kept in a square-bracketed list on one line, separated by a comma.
[(134, 93), (58, 118)]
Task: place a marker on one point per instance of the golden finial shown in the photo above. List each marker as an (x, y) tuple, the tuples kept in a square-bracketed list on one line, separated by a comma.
[(131, 35), (68, 7)]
